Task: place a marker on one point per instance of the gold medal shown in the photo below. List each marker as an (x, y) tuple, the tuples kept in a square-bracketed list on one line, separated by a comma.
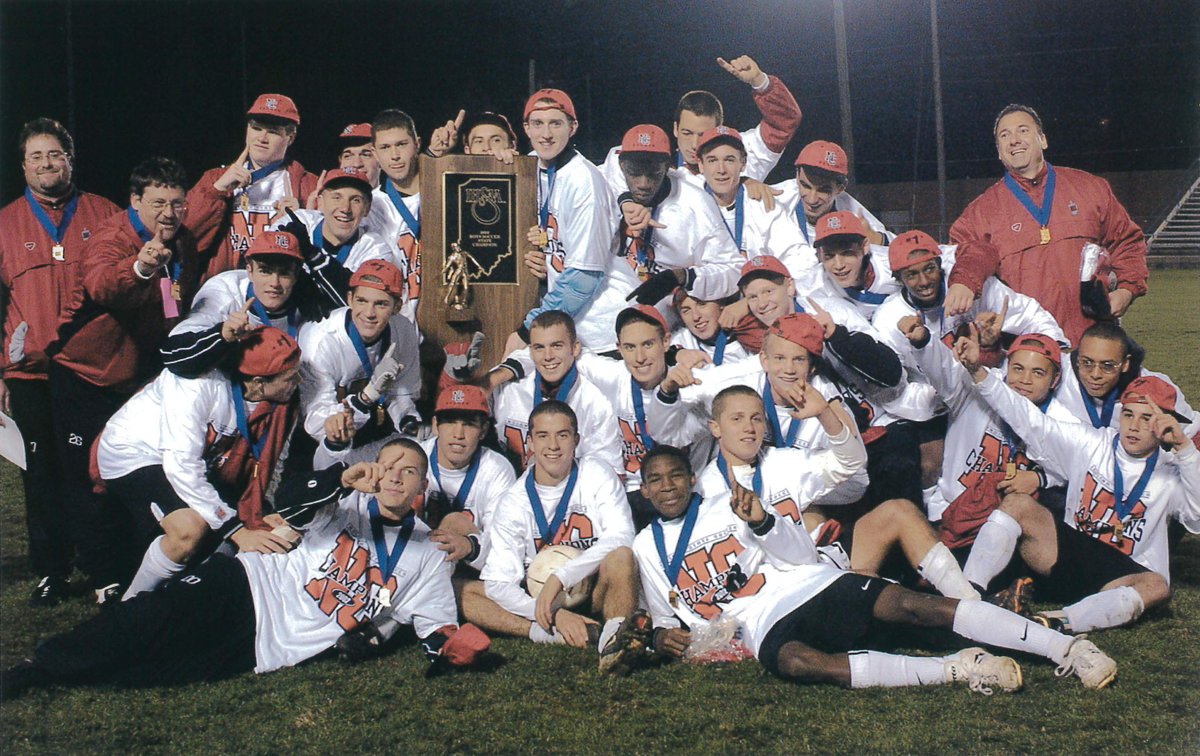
[(543, 238), (673, 598), (1118, 533), (380, 414), (1010, 471), (58, 252), (176, 291), (643, 272), (245, 203), (1045, 235)]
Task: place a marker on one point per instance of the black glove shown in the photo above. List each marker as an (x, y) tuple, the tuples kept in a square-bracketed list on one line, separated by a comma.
[(653, 289), (1093, 300), (360, 644), (297, 228)]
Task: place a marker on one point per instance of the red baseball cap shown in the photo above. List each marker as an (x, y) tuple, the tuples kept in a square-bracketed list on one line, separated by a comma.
[(801, 328), (841, 223), (276, 106), (380, 275), (646, 137), (760, 266), (275, 244), (462, 397), (825, 155), (1038, 344), (719, 135), (1155, 389), (266, 352), (346, 176), (561, 100), (641, 312), (906, 249), (356, 131)]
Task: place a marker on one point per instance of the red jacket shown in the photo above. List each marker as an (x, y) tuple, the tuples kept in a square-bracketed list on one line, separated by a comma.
[(1084, 210), (116, 324), (210, 217), (36, 287)]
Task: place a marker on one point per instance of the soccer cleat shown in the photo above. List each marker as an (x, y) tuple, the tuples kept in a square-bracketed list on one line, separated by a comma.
[(1093, 667), (1055, 620), (982, 671), (50, 591), (109, 594), (1015, 598), (621, 651)]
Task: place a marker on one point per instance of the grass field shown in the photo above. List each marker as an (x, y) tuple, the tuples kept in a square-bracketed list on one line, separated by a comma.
[(550, 699)]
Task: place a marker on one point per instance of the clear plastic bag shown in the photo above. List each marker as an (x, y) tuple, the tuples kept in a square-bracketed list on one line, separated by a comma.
[(717, 642)]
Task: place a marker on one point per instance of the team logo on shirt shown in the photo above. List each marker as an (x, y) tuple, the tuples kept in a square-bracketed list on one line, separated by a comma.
[(242, 229), (576, 531), (711, 577), (514, 439), (638, 247), (1073, 207), (86, 234), (786, 506), (556, 253), (632, 447), (348, 587), (410, 254), (990, 456), (1096, 515), (1016, 227), (30, 245)]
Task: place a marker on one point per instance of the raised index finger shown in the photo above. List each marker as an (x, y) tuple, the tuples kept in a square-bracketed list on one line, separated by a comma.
[(1004, 309), (724, 64), (458, 120), (816, 307), (249, 303), (241, 159)]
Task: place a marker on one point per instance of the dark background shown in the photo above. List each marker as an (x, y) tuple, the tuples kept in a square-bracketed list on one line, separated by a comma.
[(1116, 82)]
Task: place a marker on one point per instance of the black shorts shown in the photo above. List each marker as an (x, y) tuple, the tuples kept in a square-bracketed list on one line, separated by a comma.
[(148, 496), (1084, 566), (933, 429), (834, 621)]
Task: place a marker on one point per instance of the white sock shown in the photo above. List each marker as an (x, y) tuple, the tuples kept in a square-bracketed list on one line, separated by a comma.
[(1118, 606), (993, 626), (538, 635), (610, 629), (869, 669), (935, 503), (156, 569), (993, 548), (940, 568)]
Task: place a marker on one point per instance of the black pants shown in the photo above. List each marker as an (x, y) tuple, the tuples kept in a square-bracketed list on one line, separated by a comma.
[(50, 550), (97, 525), (197, 627), (140, 493)]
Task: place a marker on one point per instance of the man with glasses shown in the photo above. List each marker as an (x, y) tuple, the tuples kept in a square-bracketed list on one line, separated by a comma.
[(139, 276), (42, 236)]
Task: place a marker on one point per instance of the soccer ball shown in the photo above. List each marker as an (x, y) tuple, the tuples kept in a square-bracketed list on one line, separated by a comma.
[(546, 563)]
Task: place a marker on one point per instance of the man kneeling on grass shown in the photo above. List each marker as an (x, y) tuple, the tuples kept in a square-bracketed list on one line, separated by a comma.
[(731, 553), (365, 567)]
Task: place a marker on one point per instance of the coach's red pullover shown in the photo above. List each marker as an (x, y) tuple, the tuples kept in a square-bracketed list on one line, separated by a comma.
[(210, 213), (116, 322), (1084, 210), (37, 287)]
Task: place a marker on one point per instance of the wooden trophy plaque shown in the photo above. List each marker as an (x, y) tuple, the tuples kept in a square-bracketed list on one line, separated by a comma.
[(475, 213)]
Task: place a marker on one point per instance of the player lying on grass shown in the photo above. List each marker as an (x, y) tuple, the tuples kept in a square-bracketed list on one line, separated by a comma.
[(561, 501), (1109, 552), (365, 567), (731, 552)]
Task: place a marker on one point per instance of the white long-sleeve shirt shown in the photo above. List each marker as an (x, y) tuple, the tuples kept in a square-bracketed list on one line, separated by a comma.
[(790, 199), (494, 479), (1075, 398), (1086, 456), (386, 222), (582, 221), (597, 521)]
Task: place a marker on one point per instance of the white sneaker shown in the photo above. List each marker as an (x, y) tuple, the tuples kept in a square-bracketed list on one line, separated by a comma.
[(983, 671), (1094, 668)]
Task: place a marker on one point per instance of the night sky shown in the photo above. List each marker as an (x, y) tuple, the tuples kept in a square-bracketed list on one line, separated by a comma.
[(1117, 83)]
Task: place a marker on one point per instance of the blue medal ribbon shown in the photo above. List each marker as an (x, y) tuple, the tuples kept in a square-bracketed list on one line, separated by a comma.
[(1101, 418), (739, 215), (756, 482), (1125, 505), (293, 313), (564, 388), (549, 529), (773, 417), (343, 251), (544, 205), (679, 162), (802, 221), (460, 498), (140, 228), (360, 348), (799, 307), (388, 559), (59, 232), (672, 566), (639, 413), (1011, 442), (1040, 214), (719, 352), (263, 172), (864, 296), (239, 410), (413, 222)]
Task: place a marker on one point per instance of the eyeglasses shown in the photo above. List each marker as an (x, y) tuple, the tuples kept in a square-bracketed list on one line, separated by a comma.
[(159, 205), (53, 155), (1108, 367)]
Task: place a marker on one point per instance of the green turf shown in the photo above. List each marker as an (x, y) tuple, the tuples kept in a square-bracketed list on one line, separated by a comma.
[(550, 699)]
